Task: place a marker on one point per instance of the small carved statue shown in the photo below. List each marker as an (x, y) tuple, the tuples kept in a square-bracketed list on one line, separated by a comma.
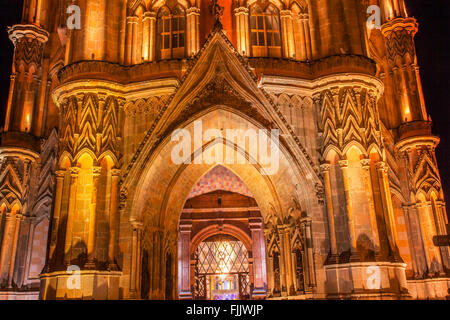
[(217, 11)]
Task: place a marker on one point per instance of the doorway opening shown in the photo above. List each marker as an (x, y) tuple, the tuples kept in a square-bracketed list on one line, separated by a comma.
[(222, 269), (221, 248)]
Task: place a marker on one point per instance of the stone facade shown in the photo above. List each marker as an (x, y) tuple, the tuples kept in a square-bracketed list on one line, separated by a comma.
[(91, 201)]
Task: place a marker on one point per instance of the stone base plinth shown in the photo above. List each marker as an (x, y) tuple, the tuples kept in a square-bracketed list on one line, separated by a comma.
[(87, 284), (366, 280), (436, 288), (19, 295)]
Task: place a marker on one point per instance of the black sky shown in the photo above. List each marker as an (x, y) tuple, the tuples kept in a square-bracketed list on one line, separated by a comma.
[(432, 43)]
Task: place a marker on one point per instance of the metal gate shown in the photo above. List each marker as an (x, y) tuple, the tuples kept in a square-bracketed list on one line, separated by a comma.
[(225, 258)]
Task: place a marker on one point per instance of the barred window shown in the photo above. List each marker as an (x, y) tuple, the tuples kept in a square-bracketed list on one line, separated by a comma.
[(171, 30), (265, 31)]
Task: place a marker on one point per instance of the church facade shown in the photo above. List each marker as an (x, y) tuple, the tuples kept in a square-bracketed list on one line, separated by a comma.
[(104, 95)]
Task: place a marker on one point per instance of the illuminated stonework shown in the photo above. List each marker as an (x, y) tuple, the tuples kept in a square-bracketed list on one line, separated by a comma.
[(92, 207)]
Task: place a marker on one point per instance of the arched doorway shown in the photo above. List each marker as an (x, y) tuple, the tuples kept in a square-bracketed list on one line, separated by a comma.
[(160, 189), (221, 249)]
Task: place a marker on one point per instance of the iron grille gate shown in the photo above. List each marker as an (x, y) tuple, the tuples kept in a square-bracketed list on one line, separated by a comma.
[(221, 255)]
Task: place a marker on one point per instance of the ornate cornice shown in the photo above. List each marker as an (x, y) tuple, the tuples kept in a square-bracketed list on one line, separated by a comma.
[(417, 141), (110, 88), (19, 31)]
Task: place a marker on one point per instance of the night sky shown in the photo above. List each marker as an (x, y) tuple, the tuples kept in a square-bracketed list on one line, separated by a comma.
[(432, 43)]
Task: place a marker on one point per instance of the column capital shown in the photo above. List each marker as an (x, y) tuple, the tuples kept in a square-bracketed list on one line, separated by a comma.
[(115, 172), (132, 19), (255, 223), (193, 11), (185, 227), (365, 163), (306, 221), (439, 203), (286, 14), (303, 16), (138, 225), (325, 167), (30, 31), (96, 170), (241, 11), (74, 171), (381, 166), (149, 15), (400, 24), (343, 163), (283, 227), (419, 205), (60, 173)]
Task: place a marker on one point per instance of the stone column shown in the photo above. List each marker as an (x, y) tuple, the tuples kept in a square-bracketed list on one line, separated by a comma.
[(60, 174), (269, 269), (424, 211), (442, 214), (184, 261), (435, 231), (418, 207), (193, 32), (23, 105), (113, 219), (139, 260), (367, 177), (137, 227), (259, 258), (300, 48), (444, 211), (145, 37), (305, 22), (128, 40), (242, 30), (307, 235), (412, 246), (93, 219), (287, 33), (388, 209), (154, 262), (440, 220), (74, 171), (282, 263), (288, 260), (5, 242), (148, 37), (18, 218), (12, 86), (135, 42), (131, 39), (330, 212), (349, 208), (31, 231)]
